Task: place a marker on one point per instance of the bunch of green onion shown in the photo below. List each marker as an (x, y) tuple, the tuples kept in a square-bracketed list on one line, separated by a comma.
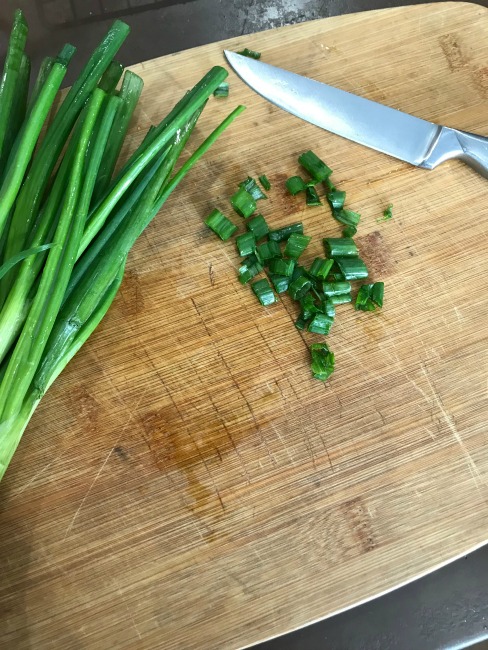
[(67, 219)]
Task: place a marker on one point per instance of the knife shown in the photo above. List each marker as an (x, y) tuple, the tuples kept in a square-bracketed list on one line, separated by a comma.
[(374, 125)]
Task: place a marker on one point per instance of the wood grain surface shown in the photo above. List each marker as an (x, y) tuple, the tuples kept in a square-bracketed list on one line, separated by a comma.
[(185, 483)]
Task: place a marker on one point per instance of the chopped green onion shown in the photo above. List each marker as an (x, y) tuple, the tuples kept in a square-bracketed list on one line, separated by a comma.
[(282, 267), (352, 268), (340, 299), (300, 323), (329, 308), (243, 203), (299, 287), (221, 226), (253, 188), (314, 166), (282, 234), (298, 272), (349, 231), (269, 250), (347, 217), (280, 282), (370, 295), (263, 179), (336, 288), (250, 53), (320, 324), (250, 267), (258, 226), (295, 184), (377, 293), (296, 244), (312, 198), (387, 214), (336, 198), (320, 268), (340, 247), (222, 90), (322, 365), (309, 308), (245, 243), (264, 292)]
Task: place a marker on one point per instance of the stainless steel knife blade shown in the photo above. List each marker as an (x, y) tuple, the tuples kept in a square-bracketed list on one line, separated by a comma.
[(369, 123)]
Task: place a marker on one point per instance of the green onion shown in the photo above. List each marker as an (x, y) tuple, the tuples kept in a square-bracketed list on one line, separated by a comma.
[(349, 231), (352, 268), (299, 272), (295, 184), (250, 267), (258, 226), (320, 324), (295, 245), (301, 323), (282, 267), (387, 214), (369, 296), (317, 169), (308, 306), (9, 264), (347, 217), (340, 247), (377, 293), (336, 198), (322, 365), (340, 299), (312, 198), (250, 53), (299, 287), (245, 243), (243, 203), (320, 268), (329, 308), (264, 292), (282, 234), (222, 90), (269, 250), (222, 227), (280, 282), (111, 77), (263, 179), (253, 188), (335, 288)]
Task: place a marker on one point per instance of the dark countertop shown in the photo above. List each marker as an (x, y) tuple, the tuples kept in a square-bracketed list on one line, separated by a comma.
[(449, 607)]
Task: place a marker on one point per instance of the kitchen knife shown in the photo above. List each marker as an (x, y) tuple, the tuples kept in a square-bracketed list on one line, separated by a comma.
[(374, 125)]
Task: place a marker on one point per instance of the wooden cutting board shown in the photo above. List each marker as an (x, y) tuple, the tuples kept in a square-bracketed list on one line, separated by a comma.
[(186, 484)]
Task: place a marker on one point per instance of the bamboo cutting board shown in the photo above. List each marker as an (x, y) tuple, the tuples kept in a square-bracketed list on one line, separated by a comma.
[(186, 484)]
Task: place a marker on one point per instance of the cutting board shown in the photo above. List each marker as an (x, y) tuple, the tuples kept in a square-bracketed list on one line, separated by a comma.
[(186, 483)]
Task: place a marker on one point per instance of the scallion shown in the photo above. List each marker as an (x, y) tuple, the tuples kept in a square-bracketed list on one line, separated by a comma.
[(320, 268), (295, 185), (258, 226), (352, 268), (269, 250), (263, 179), (340, 299), (264, 292), (312, 198), (282, 234), (336, 199), (280, 282), (253, 188), (322, 365), (335, 288), (282, 267), (317, 169), (252, 54), (220, 224), (250, 267), (243, 203), (299, 287), (295, 245), (222, 90), (320, 324), (340, 247), (245, 243)]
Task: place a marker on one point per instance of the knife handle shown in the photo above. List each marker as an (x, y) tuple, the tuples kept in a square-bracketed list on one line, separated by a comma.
[(468, 147)]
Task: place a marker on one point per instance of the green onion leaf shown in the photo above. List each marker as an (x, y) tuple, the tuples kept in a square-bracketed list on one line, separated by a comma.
[(221, 226), (352, 268), (329, 308), (299, 272), (258, 226), (245, 243), (222, 90), (387, 214), (269, 250), (349, 231), (250, 267), (295, 184), (312, 198), (335, 288), (322, 365), (377, 293), (250, 53), (309, 308), (280, 282), (340, 247), (282, 234), (299, 287), (336, 198), (340, 299), (264, 292), (19, 257), (243, 203), (282, 267), (301, 323), (320, 324), (253, 188), (317, 169), (370, 295), (295, 245), (320, 268), (263, 179)]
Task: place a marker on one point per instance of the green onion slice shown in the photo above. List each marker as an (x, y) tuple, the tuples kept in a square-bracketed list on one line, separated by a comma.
[(243, 203), (264, 292), (316, 167), (282, 234), (295, 245), (221, 226)]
